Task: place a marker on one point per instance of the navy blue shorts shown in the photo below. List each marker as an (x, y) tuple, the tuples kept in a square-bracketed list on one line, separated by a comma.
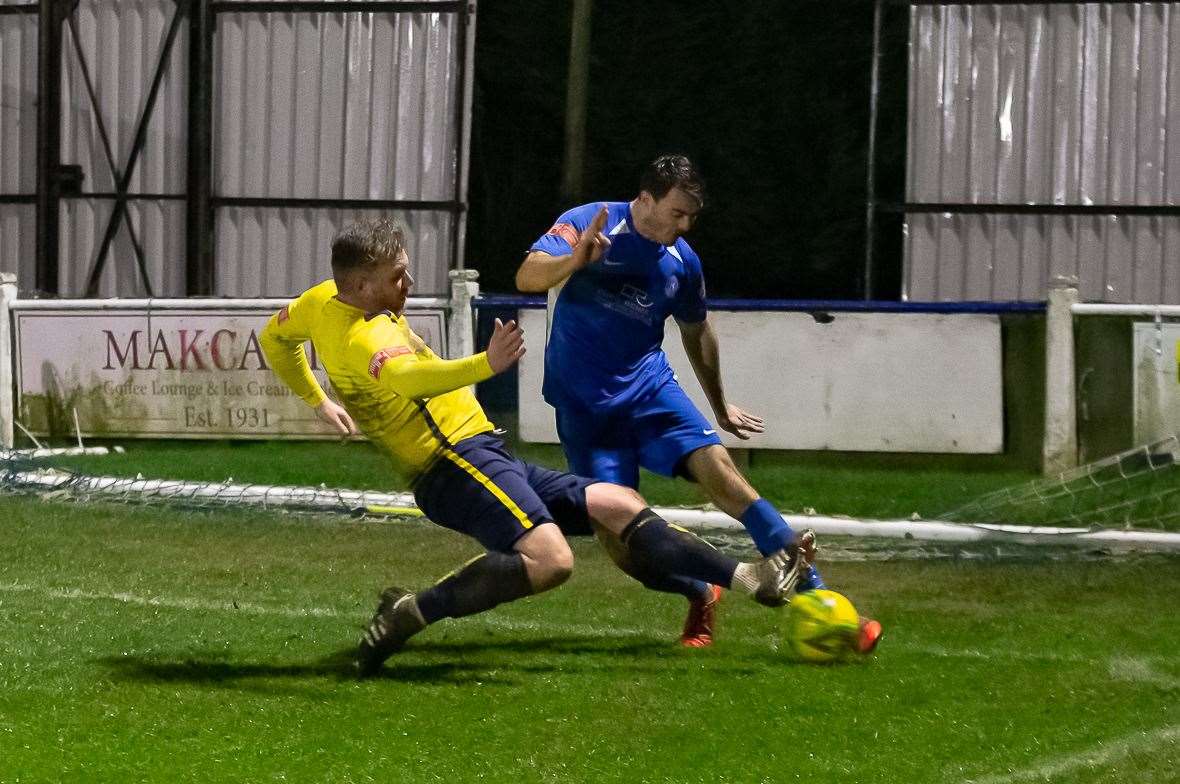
[(657, 433), (481, 489)]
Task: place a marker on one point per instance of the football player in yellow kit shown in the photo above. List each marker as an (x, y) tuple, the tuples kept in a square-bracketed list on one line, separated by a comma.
[(420, 409)]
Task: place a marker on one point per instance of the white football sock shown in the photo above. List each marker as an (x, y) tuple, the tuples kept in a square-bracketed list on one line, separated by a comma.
[(746, 577)]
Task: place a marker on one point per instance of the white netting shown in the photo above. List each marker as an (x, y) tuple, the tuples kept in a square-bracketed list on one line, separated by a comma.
[(1092, 506), (53, 484), (1139, 488)]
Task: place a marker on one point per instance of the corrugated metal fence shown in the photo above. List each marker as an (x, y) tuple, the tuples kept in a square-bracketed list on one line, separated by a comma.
[(316, 113), (18, 139), (1074, 108)]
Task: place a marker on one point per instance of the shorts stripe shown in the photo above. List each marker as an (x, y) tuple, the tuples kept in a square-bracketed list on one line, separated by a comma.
[(491, 487), (449, 452), (458, 569)]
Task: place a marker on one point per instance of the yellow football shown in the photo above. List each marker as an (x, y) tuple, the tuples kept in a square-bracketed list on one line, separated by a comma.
[(821, 626)]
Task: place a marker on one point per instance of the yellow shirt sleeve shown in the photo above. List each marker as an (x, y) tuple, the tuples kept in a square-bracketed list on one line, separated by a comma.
[(282, 342), (417, 375)]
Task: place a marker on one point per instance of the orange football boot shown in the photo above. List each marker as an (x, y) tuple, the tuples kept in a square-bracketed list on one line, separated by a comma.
[(868, 635), (702, 616)]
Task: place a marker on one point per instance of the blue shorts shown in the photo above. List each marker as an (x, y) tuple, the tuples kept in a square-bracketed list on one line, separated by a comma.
[(657, 433), (479, 488)]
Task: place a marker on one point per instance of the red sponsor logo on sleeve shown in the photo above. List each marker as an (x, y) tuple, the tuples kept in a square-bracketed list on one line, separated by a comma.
[(566, 231), (381, 357), (284, 314)]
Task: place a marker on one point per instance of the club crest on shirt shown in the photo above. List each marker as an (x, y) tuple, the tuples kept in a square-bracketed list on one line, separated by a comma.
[(671, 286), (381, 357)]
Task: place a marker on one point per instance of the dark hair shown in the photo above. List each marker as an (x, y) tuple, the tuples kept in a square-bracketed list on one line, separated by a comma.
[(672, 171), (364, 244)]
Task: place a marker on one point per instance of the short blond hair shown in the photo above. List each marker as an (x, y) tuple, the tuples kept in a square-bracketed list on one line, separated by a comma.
[(362, 245)]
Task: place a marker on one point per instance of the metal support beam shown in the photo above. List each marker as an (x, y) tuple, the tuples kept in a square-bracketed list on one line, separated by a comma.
[(871, 166), (463, 89), (198, 270), (576, 99), (49, 39)]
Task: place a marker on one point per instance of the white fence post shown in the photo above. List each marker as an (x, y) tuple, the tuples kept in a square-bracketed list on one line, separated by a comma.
[(7, 371), (1060, 447), (461, 325)]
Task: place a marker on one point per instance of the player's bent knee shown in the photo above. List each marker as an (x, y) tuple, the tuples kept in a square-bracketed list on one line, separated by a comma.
[(613, 506), (559, 563), (551, 572), (548, 558)]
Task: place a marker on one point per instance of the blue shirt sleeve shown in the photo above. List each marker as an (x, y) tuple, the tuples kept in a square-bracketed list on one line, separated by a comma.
[(690, 301), (561, 238)]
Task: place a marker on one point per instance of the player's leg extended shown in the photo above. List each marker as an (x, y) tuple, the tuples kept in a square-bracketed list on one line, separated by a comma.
[(676, 440), (598, 448), (700, 624), (714, 470), (654, 546), (526, 551), (541, 559)]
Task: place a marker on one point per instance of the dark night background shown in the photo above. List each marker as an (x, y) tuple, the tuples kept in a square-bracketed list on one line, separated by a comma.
[(771, 99)]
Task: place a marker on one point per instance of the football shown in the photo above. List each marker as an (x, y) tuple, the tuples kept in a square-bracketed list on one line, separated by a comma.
[(821, 626)]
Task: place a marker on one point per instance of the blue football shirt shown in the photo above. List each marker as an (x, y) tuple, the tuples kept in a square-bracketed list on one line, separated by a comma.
[(608, 324)]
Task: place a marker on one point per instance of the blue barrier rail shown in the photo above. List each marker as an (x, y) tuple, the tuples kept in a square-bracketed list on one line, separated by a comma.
[(804, 305)]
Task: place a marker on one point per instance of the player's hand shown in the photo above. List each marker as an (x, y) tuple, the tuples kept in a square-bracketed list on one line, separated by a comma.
[(335, 415), (593, 243), (506, 346), (740, 423)]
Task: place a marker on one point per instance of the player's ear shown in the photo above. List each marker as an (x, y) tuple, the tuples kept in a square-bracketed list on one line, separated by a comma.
[(361, 282)]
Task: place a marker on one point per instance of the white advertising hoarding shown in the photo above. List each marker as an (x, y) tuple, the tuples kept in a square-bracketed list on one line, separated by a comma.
[(876, 382), (164, 373), (1157, 381)]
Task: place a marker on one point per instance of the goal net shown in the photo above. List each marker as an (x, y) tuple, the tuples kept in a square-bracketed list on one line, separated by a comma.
[(1135, 489)]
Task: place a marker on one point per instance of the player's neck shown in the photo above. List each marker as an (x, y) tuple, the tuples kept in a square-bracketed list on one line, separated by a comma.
[(351, 299), (639, 221)]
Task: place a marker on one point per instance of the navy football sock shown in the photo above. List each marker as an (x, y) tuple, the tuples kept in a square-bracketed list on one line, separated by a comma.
[(480, 584), (672, 583), (767, 527), (659, 548)]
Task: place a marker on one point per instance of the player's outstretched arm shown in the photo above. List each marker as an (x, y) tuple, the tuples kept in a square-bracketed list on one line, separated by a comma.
[(541, 272), (704, 352), (416, 378)]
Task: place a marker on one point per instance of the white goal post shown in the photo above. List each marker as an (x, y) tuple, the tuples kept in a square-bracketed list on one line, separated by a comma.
[(7, 379), (1060, 450)]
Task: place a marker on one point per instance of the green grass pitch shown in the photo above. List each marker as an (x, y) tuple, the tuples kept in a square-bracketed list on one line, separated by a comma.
[(153, 645)]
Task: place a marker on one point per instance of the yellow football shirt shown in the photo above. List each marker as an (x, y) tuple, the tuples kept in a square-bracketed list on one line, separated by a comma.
[(399, 393)]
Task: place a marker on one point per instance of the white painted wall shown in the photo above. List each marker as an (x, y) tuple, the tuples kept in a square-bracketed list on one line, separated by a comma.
[(885, 382), (1157, 381)]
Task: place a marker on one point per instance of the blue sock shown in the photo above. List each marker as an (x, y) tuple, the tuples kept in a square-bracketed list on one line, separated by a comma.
[(810, 581), (766, 526)]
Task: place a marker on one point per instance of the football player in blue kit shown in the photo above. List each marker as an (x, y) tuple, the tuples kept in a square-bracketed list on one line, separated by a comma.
[(626, 269)]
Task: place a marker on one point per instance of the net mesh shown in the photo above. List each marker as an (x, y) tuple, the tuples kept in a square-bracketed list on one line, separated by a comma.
[(1136, 489), (20, 477)]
